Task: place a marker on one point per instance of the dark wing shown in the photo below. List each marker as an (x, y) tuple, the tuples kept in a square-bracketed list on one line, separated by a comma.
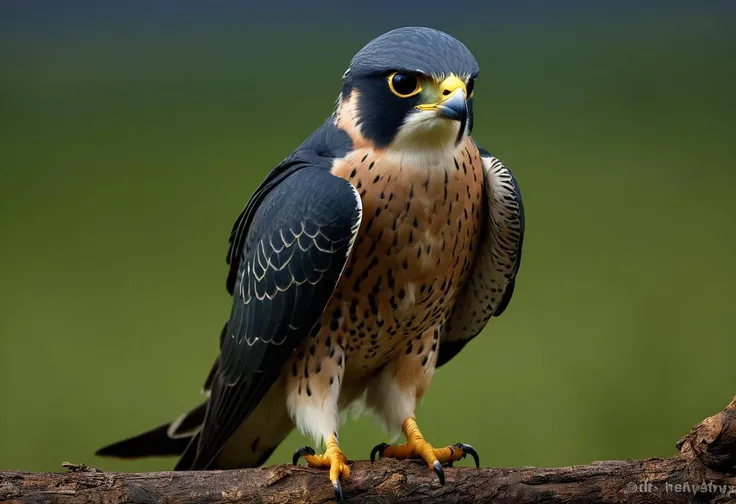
[(242, 223), (293, 243), (328, 142), (491, 281)]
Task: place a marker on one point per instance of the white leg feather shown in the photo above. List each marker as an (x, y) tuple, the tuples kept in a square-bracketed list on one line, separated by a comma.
[(316, 414)]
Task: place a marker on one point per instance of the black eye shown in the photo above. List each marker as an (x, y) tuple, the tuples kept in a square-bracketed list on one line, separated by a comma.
[(404, 85), (470, 86)]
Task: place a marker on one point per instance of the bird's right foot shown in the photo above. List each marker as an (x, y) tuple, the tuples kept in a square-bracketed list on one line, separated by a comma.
[(332, 459)]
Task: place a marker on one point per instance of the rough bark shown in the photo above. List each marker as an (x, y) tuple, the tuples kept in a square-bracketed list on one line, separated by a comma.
[(703, 470)]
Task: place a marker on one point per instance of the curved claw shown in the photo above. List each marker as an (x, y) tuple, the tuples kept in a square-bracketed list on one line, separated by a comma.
[(300, 452), (378, 449), (467, 449), (338, 491), (439, 471)]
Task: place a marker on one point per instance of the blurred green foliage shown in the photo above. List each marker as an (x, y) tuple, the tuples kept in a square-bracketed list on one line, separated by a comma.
[(124, 161)]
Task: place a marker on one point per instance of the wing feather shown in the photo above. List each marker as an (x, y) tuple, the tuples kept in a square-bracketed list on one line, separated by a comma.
[(490, 285), (298, 239)]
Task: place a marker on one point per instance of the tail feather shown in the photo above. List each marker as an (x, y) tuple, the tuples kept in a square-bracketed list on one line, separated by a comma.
[(252, 443), (166, 440), (188, 424), (188, 455), (154, 443)]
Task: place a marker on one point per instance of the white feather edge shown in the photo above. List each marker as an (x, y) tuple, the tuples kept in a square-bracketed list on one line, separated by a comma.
[(318, 421)]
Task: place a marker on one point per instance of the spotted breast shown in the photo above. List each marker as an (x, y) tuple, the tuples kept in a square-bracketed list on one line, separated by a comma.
[(415, 247), (413, 252)]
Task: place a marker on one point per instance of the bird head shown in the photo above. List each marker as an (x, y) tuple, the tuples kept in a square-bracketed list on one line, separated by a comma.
[(410, 88)]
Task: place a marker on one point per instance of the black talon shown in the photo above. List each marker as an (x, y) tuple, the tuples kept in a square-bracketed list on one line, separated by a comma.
[(300, 452), (379, 449), (338, 491), (467, 449), (440, 472)]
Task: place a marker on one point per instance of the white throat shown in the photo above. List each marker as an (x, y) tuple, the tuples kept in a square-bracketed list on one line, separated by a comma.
[(426, 140)]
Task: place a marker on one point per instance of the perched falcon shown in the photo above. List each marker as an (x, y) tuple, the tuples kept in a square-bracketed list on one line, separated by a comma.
[(366, 259)]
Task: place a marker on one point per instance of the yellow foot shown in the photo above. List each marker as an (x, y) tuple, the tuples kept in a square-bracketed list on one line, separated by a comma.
[(417, 447), (332, 459)]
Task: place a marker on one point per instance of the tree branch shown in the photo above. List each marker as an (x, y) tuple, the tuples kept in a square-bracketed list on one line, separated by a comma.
[(703, 470)]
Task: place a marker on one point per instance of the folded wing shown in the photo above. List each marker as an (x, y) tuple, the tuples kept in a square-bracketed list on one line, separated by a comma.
[(290, 245), (491, 281)]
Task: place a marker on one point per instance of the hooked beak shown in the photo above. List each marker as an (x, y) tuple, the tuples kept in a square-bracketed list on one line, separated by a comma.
[(453, 104), (454, 107)]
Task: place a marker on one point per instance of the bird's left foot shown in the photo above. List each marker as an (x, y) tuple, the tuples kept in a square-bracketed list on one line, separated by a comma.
[(332, 459), (417, 447)]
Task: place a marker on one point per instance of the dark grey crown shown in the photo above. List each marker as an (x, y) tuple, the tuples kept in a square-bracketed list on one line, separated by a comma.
[(414, 49)]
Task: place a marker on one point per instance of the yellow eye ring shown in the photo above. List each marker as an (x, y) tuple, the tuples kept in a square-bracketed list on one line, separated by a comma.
[(404, 85)]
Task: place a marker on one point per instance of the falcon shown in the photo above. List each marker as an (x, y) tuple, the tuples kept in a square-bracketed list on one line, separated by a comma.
[(364, 261)]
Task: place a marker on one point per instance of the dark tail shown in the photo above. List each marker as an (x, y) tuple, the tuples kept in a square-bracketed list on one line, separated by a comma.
[(166, 440), (188, 455)]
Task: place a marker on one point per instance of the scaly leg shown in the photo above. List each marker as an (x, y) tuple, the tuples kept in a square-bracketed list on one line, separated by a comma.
[(416, 447), (332, 459), (393, 395), (313, 381)]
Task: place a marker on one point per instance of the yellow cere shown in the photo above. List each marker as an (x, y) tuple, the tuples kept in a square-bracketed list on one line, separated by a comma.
[(443, 91)]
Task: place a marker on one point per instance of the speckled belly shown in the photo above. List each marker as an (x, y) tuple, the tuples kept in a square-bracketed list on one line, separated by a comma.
[(415, 248)]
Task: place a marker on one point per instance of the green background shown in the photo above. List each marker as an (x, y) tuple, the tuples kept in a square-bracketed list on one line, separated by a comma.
[(127, 151)]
